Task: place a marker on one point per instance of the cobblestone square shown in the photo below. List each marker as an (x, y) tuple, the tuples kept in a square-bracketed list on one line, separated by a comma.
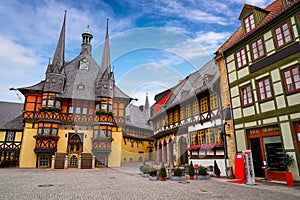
[(126, 183)]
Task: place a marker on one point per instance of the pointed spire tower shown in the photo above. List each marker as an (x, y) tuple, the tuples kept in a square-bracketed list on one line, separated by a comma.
[(147, 106), (55, 75), (105, 85)]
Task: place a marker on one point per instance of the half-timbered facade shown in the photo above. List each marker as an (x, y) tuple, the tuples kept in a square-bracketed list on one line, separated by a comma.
[(262, 65), (138, 141), (188, 120), (76, 114), (11, 132)]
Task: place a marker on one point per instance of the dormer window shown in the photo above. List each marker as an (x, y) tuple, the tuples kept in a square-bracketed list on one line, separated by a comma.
[(249, 23)]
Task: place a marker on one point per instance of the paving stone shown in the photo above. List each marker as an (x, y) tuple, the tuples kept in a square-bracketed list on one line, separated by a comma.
[(127, 183)]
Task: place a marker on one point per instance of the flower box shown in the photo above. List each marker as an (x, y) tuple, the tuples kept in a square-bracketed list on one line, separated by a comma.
[(202, 177), (178, 178)]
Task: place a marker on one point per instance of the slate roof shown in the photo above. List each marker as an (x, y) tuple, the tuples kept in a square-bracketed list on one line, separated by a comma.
[(11, 115), (136, 117), (78, 83), (193, 85), (274, 10)]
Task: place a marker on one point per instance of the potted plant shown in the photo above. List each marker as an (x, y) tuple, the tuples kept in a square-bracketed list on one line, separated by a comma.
[(153, 174), (191, 171), (162, 172), (217, 171), (202, 174), (288, 160), (145, 170), (178, 175)]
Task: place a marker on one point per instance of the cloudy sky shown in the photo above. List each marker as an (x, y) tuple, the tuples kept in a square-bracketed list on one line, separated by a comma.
[(154, 43)]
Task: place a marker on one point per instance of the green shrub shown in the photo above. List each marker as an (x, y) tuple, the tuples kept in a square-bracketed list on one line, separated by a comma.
[(178, 172), (216, 168), (153, 172), (202, 171), (288, 159), (191, 169), (162, 171), (142, 168)]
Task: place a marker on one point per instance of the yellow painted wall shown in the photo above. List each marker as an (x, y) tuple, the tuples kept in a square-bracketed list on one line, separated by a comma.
[(27, 155), (114, 158), (133, 152), (62, 143), (18, 136), (2, 135)]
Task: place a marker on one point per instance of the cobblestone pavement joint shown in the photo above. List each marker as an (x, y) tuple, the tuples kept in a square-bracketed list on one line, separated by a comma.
[(127, 183)]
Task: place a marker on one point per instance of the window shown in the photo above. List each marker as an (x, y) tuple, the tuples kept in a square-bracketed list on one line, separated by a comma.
[(188, 110), (213, 101), (203, 105), (71, 109), (10, 136), (291, 78), (257, 49), (246, 95), (44, 161), (249, 23), (201, 136), (182, 116), (195, 108), (240, 57), (170, 118), (176, 116), (77, 110), (283, 35), (264, 89), (96, 133), (194, 139)]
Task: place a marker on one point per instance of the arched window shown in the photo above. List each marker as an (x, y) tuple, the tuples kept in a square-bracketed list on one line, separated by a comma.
[(73, 161)]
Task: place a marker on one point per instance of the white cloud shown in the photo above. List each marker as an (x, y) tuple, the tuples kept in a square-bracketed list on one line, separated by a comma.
[(210, 41), (258, 3), (19, 66)]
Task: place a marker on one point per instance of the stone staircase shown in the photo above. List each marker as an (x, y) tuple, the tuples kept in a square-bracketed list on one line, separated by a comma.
[(86, 160), (59, 160)]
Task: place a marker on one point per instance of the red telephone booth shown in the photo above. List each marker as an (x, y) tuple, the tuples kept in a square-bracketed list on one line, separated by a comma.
[(239, 166)]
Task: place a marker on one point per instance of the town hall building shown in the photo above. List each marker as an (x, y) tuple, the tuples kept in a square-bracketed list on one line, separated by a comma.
[(74, 117)]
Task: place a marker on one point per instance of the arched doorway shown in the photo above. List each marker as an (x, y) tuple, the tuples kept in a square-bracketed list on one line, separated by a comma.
[(73, 161), (165, 157), (183, 154), (75, 146), (171, 153), (150, 154), (160, 152)]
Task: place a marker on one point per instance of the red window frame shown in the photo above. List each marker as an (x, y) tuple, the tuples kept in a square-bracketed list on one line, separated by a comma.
[(283, 35), (264, 89), (291, 79), (246, 95), (257, 49), (247, 23), (241, 58)]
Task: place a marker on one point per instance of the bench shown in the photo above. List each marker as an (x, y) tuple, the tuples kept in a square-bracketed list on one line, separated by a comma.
[(280, 176)]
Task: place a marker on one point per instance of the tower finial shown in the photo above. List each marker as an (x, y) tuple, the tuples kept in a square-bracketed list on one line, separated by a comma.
[(106, 36), (59, 55)]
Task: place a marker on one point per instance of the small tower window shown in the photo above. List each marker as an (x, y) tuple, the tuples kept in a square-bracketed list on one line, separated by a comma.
[(249, 23)]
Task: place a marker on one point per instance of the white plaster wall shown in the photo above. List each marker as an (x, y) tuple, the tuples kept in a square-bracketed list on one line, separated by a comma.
[(287, 135), (267, 106)]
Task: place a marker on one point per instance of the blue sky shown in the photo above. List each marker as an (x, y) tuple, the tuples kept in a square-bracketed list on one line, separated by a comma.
[(154, 43)]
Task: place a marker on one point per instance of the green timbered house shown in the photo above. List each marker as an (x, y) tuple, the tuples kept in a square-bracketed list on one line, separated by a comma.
[(262, 63)]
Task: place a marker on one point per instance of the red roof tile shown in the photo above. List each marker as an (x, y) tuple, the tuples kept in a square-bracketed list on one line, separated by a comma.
[(274, 10)]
